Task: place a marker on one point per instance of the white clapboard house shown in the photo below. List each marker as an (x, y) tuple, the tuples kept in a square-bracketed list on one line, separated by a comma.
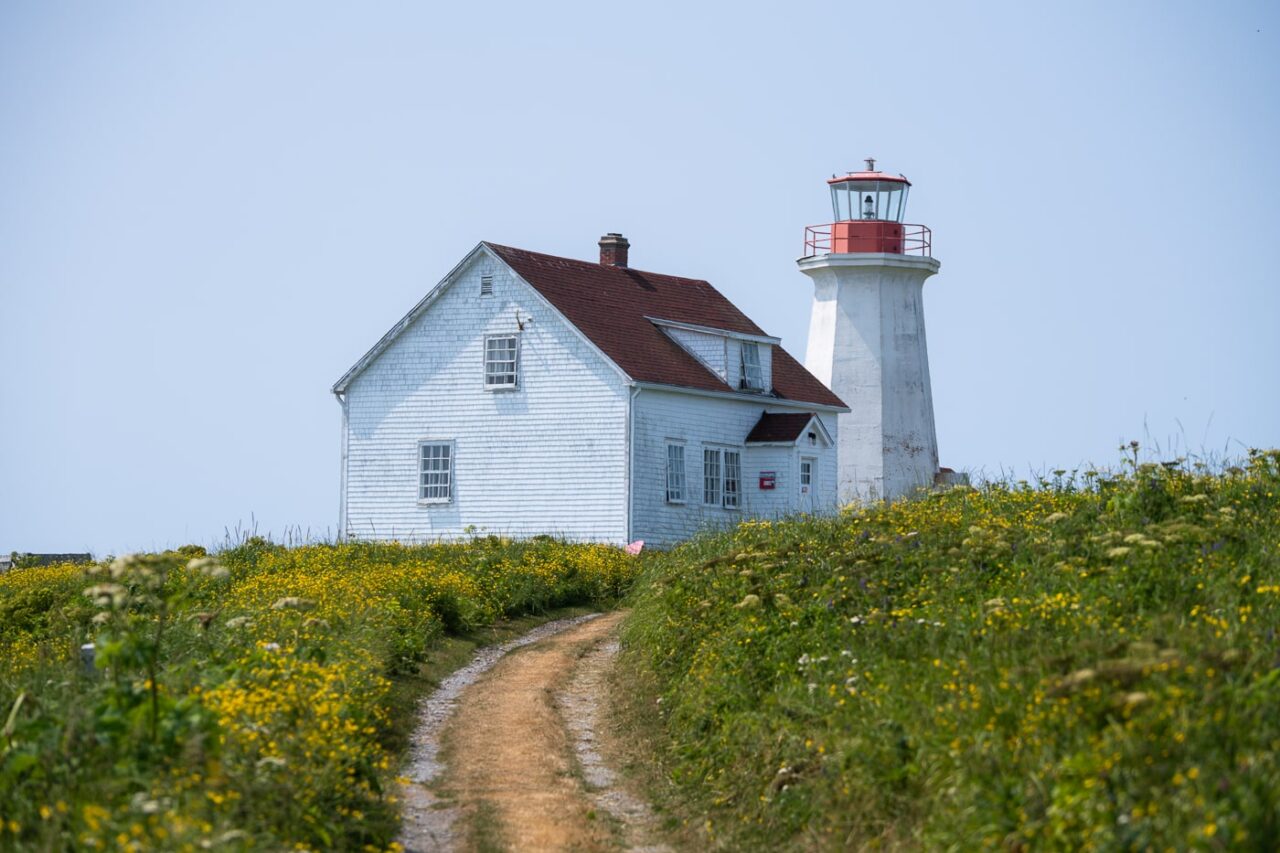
[(529, 394)]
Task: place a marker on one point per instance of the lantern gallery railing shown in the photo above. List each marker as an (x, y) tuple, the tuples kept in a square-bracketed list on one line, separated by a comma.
[(868, 235)]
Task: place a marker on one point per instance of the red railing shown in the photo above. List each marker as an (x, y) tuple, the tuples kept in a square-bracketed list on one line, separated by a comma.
[(914, 240)]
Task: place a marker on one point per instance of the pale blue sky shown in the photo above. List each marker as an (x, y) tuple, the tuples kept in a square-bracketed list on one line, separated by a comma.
[(208, 212)]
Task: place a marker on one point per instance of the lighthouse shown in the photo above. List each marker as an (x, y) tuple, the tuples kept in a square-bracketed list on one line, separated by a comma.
[(866, 334)]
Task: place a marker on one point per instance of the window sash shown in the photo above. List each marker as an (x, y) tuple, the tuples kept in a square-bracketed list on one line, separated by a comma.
[(752, 375), (501, 356), (732, 479), (435, 472), (806, 472), (675, 473), (711, 477)]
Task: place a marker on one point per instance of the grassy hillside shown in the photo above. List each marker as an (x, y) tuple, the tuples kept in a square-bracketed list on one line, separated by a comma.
[(248, 701), (1090, 664)]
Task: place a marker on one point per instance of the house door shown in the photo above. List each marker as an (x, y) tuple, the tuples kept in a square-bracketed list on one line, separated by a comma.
[(808, 482)]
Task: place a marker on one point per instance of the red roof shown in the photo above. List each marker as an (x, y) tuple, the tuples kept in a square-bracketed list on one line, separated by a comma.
[(779, 426), (869, 176), (610, 305)]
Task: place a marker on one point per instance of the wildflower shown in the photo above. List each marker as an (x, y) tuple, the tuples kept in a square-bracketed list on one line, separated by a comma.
[(107, 594), (291, 602)]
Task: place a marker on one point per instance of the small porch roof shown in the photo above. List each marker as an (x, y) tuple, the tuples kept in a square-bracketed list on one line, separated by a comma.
[(786, 428)]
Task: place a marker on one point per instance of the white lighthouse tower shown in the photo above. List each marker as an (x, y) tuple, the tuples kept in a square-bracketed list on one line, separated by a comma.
[(866, 334)]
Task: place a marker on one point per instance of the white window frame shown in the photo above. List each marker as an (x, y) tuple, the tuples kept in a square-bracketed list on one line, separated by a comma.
[(677, 482), (807, 488), (450, 458), (731, 498), (712, 483), (752, 376), (514, 361), (486, 285)]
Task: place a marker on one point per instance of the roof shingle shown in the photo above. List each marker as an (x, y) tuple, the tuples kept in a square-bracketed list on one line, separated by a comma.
[(610, 306)]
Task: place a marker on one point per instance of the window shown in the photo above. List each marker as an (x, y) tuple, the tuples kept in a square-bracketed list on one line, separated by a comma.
[(675, 473), (752, 376), (711, 477), (806, 475), (435, 471), (500, 361), (486, 285), (732, 479)]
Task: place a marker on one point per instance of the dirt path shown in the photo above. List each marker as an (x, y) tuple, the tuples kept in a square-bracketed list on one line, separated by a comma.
[(527, 751)]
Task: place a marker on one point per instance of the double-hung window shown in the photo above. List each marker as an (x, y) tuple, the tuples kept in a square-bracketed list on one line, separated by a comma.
[(675, 474), (435, 471), (732, 479), (752, 375), (501, 361), (711, 477), (722, 477)]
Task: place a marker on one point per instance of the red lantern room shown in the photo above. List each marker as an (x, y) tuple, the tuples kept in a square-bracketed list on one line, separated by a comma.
[(868, 207)]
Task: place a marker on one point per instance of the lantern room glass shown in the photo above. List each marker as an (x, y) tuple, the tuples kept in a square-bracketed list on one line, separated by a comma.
[(885, 201)]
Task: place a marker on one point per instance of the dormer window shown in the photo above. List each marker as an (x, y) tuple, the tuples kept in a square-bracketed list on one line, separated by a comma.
[(752, 375)]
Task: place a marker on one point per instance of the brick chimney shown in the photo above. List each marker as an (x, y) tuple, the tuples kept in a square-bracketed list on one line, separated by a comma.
[(613, 250)]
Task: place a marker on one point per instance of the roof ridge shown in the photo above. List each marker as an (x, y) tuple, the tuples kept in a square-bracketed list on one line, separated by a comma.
[(594, 264)]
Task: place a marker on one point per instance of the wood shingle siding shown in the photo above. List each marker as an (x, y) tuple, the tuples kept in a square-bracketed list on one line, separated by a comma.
[(699, 422), (546, 457)]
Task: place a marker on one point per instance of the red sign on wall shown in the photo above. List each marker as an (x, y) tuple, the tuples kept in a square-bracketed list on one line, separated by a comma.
[(768, 480)]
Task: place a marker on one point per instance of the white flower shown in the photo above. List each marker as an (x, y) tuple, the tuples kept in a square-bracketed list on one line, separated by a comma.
[(107, 594), (292, 602)]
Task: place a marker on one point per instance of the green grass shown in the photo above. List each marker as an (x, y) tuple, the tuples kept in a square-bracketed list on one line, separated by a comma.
[(255, 701), (1092, 664)]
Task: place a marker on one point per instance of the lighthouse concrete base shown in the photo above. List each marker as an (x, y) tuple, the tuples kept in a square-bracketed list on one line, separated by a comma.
[(867, 343)]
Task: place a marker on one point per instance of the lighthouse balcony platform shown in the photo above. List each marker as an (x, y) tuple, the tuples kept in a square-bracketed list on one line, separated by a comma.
[(868, 236)]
